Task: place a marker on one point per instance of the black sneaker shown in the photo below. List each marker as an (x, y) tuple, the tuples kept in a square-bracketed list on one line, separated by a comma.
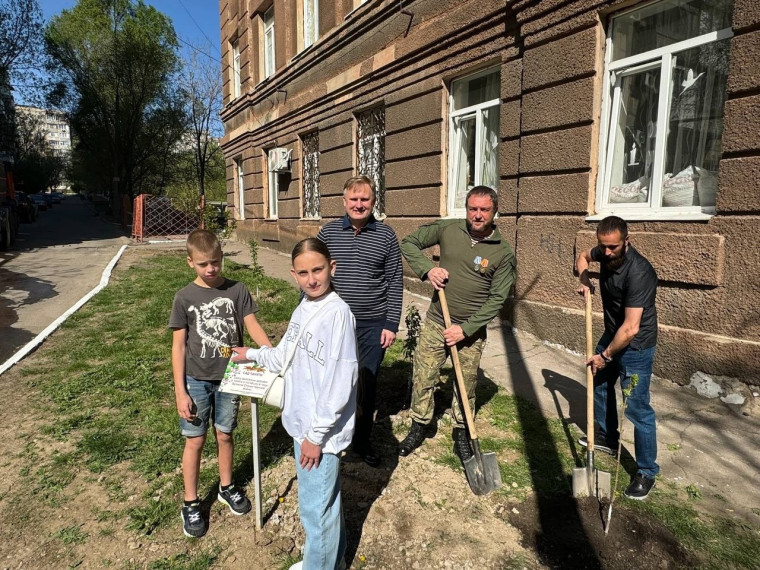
[(600, 444), (639, 487), (193, 523), (235, 499)]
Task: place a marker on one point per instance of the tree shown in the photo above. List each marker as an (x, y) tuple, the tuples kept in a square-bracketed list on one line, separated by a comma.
[(20, 31), (36, 163), (202, 84), (117, 64)]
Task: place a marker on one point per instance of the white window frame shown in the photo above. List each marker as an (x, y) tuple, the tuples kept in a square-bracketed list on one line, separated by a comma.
[(269, 48), (663, 58), (273, 181), (477, 112), (240, 188), (236, 84), (310, 33)]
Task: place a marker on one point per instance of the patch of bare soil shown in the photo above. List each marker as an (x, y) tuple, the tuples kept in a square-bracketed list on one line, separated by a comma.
[(569, 533)]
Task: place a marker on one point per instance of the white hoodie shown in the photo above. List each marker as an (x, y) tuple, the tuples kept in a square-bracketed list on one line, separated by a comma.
[(320, 383)]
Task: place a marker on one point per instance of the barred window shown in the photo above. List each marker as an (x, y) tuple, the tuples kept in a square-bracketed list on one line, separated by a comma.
[(310, 174), (370, 152)]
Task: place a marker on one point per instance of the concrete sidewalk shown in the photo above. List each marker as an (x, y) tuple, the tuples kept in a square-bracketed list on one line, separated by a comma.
[(702, 442)]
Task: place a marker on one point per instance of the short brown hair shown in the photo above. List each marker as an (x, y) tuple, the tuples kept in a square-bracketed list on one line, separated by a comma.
[(202, 241), (484, 191), (356, 180)]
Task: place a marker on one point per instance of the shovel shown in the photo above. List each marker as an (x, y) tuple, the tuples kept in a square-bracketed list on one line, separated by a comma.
[(482, 469), (588, 481)]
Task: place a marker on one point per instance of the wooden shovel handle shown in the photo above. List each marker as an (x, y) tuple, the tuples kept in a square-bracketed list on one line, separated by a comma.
[(458, 370), (589, 374)]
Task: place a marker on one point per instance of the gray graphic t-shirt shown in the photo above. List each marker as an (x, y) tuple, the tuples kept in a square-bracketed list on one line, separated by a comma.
[(213, 319)]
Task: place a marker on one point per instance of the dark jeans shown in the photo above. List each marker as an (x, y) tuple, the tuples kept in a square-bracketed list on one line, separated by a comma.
[(370, 356), (638, 410)]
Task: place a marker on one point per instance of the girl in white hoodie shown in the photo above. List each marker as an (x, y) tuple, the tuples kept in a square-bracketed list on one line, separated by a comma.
[(320, 400)]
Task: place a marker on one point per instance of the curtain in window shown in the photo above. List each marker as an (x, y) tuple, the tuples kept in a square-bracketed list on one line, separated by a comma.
[(489, 147), (460, 163)]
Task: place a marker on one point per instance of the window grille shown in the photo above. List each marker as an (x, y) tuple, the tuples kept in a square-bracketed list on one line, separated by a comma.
[(370, 152), (310, 174)]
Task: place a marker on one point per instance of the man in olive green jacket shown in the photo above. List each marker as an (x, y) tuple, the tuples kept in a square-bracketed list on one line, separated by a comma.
[(477, 269)]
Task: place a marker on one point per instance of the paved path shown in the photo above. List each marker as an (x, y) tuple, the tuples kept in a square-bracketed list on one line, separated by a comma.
[(54, 262), (702, 442)]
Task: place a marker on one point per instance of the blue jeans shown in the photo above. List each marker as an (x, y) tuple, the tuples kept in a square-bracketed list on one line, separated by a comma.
[(638, 410), (320, 505), (207, 399), (370, 356)]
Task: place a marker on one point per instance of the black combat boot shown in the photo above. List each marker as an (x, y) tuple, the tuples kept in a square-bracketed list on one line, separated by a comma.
[(462, 447), (413, 439)]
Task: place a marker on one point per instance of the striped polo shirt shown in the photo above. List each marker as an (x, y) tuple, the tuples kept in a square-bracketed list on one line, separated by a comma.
[(368, 273)]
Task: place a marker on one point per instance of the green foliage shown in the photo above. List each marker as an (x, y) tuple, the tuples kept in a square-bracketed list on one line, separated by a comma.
[(199, 561), (257, 271), (693, 492), (116, 63), (71, 535)]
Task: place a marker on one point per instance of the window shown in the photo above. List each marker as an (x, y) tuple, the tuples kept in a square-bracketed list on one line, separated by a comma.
[(310, 174), (665, 86), (310, 22), (269, 65), (235, 70), (273, 188), (473, 136), (370, 152), (240, 189)]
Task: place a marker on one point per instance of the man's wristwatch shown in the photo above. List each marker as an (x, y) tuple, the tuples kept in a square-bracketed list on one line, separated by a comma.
[(607, 359)]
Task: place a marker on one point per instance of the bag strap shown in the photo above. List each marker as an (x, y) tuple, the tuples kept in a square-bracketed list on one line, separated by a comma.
[(289, 359)]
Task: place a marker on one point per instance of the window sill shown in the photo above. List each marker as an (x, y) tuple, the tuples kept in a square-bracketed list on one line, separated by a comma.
[(655, 216)]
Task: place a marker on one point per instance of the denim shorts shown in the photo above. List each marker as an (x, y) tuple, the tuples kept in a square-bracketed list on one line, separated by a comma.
[(207, 399)]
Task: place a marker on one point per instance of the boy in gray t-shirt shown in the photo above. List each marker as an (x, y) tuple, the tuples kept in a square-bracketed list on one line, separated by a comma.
[(207, 318)]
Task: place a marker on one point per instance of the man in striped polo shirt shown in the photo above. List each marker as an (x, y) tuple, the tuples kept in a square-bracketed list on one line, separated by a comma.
[(368, 277)]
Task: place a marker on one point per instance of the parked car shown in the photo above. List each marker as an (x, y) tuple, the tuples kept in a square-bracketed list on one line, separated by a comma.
[(40, 201), (27, 208), (56, 197), (48, 199)]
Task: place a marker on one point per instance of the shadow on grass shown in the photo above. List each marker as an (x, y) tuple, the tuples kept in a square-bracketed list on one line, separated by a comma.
[(574, 393)]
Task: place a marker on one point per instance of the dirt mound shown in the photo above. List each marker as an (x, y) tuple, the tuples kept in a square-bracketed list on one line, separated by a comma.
[(569, 533)]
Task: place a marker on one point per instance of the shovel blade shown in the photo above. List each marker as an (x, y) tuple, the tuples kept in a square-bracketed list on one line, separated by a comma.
[(482, 471), (599, 484)]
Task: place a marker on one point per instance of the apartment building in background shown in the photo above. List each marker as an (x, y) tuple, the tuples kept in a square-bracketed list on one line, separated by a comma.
[(573, 110)]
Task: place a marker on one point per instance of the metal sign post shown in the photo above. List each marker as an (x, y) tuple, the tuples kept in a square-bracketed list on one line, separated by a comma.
[(256, 461)]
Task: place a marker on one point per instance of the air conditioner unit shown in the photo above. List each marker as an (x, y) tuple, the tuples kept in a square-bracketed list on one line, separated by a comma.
[(279, 160)]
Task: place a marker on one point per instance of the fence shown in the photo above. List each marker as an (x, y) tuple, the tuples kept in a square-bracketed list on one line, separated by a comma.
[(161, 216)]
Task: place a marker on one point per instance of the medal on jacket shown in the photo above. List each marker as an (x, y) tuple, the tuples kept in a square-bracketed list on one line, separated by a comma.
[(480, 264)]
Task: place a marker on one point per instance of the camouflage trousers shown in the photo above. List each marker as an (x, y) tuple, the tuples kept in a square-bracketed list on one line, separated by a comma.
[(429, 357)]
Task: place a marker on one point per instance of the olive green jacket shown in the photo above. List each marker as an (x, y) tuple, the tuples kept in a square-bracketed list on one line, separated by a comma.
[(480, 275)]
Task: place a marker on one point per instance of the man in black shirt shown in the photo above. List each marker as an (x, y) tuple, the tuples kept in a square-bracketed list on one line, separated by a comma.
[(628, 285)]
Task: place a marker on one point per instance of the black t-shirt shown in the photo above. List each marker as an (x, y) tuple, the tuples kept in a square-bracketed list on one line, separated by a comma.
[(632, 285)]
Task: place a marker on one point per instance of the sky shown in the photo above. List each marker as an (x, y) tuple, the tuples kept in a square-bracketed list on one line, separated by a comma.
[(196, 22)]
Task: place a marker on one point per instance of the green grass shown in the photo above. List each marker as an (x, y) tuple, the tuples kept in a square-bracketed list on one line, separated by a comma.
[(71, 535), (106, 381), (105, 385)]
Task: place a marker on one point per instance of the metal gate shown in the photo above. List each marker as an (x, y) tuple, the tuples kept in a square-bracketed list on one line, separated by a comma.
[(160, 216)]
